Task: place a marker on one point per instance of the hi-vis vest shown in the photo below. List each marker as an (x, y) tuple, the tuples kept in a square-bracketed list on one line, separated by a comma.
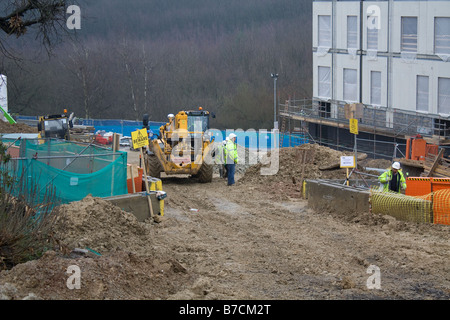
[(387, 176), (220, 154), (231, 154)]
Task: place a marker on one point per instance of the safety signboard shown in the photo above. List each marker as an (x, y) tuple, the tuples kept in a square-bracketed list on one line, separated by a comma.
[(140, 138)]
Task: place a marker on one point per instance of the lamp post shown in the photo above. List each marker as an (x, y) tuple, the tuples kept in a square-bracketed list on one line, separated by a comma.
[(274, 77)]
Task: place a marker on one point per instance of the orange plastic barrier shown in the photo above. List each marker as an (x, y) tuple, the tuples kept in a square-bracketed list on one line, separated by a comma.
[(137, 180), (14, 151), (418, 186), (440, 184)]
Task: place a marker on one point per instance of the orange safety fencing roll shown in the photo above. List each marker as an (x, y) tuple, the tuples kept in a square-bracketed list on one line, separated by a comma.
[(441, 205), (436, 190), (433, 207)]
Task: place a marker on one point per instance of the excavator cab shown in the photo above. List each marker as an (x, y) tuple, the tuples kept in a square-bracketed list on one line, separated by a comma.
[(55, 126), (198, 121)]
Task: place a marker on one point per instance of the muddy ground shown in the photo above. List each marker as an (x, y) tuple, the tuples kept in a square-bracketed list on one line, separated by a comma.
[(249, 241)]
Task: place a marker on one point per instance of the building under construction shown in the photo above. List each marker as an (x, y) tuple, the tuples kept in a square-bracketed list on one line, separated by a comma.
[(385, 64)]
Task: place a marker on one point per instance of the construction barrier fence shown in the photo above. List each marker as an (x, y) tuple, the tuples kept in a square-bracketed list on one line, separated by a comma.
[(433, 207), (419, 186), (72, 170)]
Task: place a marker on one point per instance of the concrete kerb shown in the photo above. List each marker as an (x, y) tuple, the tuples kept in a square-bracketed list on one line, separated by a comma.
[(335, 196), (136, 203)]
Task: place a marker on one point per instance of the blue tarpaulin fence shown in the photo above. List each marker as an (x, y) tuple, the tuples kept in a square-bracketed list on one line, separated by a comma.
[(244, 138)]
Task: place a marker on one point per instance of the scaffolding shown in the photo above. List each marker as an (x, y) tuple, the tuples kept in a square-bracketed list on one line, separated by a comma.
[(383, 132), (296, 133)]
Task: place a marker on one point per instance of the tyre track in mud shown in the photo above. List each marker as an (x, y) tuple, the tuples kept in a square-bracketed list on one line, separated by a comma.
[(248, 246)]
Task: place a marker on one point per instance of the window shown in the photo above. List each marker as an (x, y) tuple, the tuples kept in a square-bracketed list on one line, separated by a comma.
[(442, 35), (324, 82), (324, 109), (350, 85), (409, 34), (375, 88), (422, 93), (352, 32), (444, 95), (198, 123), (325, 31), (372, 35)]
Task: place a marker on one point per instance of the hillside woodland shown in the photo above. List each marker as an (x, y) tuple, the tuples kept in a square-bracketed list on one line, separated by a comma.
[(135, 57)]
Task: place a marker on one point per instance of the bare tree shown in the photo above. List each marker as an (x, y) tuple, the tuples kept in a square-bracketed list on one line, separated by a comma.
[(124, 50), (47, 17), (146, 71), (83, 64)]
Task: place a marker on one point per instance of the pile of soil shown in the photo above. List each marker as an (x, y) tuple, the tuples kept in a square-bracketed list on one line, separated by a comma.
[(99, 225), (117, 259), (6, 127), (320, 163), (376, 163), (119, 275)]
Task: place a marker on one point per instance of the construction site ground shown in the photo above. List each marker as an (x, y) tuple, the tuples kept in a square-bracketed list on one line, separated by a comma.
[(255, 240)]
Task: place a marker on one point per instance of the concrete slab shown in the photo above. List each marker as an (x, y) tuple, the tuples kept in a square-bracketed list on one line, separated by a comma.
[(136, 203), (324, 195)]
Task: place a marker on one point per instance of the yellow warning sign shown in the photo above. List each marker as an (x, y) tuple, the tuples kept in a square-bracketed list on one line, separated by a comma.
[(354, 126), (140, 138)]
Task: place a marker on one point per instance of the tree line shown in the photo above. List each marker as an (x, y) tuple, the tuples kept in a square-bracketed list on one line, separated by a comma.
[(158, 57)]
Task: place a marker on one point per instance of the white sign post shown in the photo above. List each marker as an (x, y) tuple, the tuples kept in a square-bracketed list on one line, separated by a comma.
[(348, 162)]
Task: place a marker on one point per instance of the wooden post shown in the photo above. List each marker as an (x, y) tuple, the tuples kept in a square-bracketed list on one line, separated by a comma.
[(132, 179), (303, 169), (436, 163), (147, 189)]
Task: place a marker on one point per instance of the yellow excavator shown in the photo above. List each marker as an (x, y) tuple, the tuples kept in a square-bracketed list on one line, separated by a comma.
[(61, 126), (55, 126), (183, 146)]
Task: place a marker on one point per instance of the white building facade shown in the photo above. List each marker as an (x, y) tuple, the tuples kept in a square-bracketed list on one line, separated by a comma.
[(392, 56), (3, 93)]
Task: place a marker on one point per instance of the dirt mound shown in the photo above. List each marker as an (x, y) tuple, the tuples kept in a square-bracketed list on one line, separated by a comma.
[(119, 276), (291, 170), (101, 226), (117, 260), (376, 163), (290, 164), (6, 127)]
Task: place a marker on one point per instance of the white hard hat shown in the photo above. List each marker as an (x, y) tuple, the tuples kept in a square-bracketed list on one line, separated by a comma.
[(232, 135), (396, 165)]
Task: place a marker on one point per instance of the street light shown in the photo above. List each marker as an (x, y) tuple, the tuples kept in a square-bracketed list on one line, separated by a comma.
[(274, 77)]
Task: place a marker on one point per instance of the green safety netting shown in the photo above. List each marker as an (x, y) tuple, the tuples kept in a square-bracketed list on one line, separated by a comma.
[(70, 170)]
